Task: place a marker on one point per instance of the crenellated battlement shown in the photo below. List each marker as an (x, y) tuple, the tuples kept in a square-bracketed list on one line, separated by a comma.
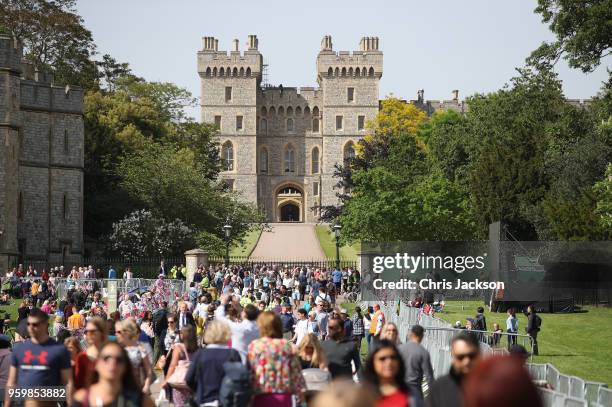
[(10, 53), (215, 63), (366, 62)]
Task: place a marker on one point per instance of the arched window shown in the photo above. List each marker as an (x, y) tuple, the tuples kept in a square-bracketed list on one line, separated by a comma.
[(298, 111), (330, 72), (343, 71), (306, 111), (315, 111), (281, 110), (371, 72), (315, 125), (248, 72), (350, 72), (222, 72), (349, 151), (314, 161), (208, 71), (263, 126), (337, 72), (289, 159), (227, 156), (272, 111), (289, 111), (357, 72), (242, 72), (215, 71), (290, 125), (263, 160), (364, 71), (235, 72), (264, 111)]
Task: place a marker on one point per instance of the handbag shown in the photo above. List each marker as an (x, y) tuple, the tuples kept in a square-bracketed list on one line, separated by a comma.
[(177, 379)]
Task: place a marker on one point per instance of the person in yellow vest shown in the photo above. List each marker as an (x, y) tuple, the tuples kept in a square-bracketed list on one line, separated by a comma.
[(76, 320), (377, 324), (173, 272)]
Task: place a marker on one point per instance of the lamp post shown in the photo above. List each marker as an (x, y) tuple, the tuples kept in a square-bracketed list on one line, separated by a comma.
[(228, 231), (336, 229)]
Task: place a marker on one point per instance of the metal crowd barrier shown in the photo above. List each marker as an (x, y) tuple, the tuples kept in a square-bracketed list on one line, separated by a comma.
[(567, 391)]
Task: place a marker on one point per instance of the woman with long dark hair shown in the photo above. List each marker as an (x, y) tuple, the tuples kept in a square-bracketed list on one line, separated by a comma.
[(385, 371), (113, 382)]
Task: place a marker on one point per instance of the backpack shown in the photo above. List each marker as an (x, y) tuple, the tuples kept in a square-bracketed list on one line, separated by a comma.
[(538, 321), (235, 388)]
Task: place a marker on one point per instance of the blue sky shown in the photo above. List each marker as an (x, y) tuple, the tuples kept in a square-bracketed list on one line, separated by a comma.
[(438, 46)]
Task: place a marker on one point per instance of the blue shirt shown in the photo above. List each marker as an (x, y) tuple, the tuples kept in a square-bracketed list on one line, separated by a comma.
[(112, 273), (40, 364), (337, 276)]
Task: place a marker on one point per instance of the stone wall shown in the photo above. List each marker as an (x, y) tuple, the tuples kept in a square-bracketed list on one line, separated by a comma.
[(41, 163)]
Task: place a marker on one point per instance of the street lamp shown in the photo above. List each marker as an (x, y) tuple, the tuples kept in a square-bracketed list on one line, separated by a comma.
[(336, 229), (228, 231)]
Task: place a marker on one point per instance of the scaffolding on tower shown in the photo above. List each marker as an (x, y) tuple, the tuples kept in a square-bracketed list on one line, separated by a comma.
[(265, 75)]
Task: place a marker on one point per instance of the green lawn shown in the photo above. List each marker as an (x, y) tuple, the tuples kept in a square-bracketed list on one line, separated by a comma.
[(328, 244), (250, 241), (576, 344)]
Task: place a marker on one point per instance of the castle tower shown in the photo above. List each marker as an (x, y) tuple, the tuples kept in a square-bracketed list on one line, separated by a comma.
[(350, 85), (10, 128), (229, 91)]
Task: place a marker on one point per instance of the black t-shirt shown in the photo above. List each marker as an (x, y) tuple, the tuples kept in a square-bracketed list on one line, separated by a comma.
[(40, 364)]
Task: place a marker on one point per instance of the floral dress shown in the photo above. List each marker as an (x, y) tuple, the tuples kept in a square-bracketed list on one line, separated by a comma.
[(274, 367)]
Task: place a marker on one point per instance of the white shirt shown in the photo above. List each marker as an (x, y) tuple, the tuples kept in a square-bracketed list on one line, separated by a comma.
[(301, 330)]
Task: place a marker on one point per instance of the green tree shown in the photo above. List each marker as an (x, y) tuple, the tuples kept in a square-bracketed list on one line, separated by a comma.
[(583, 31), (603, 194), (171, 183), (53, 37)]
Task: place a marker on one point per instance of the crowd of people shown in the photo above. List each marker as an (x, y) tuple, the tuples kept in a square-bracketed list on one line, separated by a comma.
[(267, 336)]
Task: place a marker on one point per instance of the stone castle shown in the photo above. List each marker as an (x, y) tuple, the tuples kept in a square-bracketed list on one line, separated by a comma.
[(41, 164), (279, 144)]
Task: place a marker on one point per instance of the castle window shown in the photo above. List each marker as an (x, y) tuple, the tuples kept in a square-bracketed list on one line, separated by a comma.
[(218, 122), (248, 72), (290, 126), (65, 140), (242, 72), (349, 152), (343, 72), (360, 122), (315, 188), (298, 111), (214, 71), (235, 72), (371, 72), (238, 123), (289, 111), (263, 160), (264, 112), (339, 122), (222, 71), (306, 111), (289, 159), (228, 91), (357, 72), (20, 205), (314, 164), (315, 111), (315, 125), (264, 126), (65, 206), (281, 111), (350, 95), (330, 72), (208, 71), (227, 156)]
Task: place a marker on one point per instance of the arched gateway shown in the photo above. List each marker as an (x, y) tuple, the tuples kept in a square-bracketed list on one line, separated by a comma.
[(289, 204)]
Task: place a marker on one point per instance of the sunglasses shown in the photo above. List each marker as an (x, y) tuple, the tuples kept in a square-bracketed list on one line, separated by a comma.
[(118, 359), (471, 355)]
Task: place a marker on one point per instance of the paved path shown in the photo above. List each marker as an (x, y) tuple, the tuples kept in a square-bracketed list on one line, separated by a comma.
[(288, 241)]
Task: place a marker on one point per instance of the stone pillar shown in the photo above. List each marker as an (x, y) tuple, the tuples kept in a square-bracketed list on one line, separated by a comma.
[(193, 259)]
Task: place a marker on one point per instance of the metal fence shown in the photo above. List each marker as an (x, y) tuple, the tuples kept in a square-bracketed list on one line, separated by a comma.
[(567, 391), (282, 262), (174, 288)]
